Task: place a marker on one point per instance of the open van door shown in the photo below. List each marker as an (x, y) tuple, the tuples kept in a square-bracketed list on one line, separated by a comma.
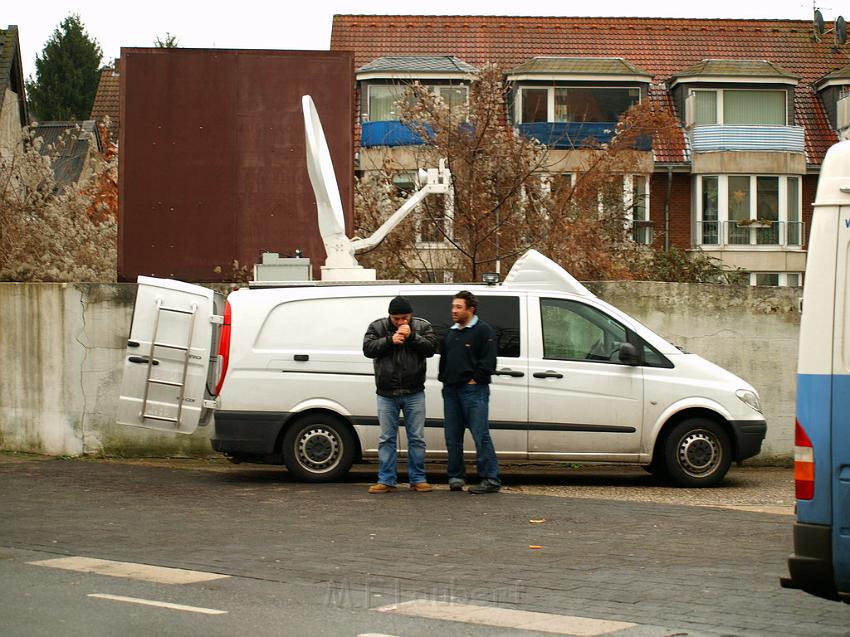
[(168, 370)]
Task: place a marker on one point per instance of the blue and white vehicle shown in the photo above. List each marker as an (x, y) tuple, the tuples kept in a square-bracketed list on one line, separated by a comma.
[(820, 564)]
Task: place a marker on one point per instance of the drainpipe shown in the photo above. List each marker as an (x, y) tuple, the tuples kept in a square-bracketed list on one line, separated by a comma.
[(667, 209)]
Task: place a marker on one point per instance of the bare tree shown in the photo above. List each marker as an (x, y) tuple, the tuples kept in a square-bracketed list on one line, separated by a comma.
[(509, 194)]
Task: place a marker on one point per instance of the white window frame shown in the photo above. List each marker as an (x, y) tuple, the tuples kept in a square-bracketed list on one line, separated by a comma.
[(719, 103), (723, 212), (783, 278), (435, 88), (550, 97)]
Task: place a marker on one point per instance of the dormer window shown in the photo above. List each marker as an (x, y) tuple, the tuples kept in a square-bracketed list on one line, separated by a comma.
[(575, 103), (576, 90), (735, 93)]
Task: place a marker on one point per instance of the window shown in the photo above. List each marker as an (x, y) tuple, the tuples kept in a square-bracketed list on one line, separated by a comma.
[(748, 210), (433, 218), (382, 102), (739, 107), (501, 312), (710, 212), (574, 103), (629, 193), (575, 331), (535, 104), (435, 275), (590, 104), (383, 99), (776, 279), (639, 202)]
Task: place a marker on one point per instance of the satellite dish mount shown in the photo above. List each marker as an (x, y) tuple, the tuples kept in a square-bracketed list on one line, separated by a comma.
[(340, 262)]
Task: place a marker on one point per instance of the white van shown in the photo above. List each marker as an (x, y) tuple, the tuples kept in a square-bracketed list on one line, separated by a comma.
[(577, 380)]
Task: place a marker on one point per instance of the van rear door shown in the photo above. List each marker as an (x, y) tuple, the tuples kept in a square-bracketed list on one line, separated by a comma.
[(168, 370)]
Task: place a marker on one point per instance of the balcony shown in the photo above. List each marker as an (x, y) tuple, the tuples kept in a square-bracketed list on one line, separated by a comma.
[(736, 234), (570, 135), (705, 139)]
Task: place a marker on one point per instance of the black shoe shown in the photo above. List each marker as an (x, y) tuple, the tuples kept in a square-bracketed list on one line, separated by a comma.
[(486, 486), (455, 485)]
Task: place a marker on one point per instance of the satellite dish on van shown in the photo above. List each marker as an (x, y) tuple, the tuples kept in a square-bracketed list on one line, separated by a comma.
[(840, 31), (340, 262), (819, 25)]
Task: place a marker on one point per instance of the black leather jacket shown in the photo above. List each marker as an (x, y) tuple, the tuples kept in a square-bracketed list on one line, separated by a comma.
[(399, 369)]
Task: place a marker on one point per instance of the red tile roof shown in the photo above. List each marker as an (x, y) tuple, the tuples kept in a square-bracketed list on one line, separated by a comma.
[(106, 100), (661, 46)]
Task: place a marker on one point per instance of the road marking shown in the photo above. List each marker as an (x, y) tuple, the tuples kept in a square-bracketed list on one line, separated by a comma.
[(151, 602), (143, 572), (507, 618)]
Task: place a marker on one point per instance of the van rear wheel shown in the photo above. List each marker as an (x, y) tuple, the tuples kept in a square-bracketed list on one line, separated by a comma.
[(697, 453), (318, 448)]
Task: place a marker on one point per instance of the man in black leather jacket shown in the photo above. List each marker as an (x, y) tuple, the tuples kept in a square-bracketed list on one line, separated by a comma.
[(399, 345)]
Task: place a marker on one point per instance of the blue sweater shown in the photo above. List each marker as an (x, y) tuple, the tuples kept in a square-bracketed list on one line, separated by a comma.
[(467, 354)]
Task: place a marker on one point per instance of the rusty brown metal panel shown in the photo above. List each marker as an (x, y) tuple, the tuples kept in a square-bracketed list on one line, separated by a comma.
[(213, 158)]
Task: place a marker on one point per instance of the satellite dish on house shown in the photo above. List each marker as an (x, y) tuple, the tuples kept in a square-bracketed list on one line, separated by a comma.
[(820, 26), (840, 31), (340, 262)]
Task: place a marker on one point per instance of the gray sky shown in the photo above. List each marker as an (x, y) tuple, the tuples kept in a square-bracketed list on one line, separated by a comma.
[(259, 24)]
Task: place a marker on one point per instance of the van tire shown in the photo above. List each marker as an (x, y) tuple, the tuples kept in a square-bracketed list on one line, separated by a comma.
[(697, 453), (318, 448)]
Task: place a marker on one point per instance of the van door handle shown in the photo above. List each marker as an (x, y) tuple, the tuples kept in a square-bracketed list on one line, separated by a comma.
[(142, 359), (509, 372), (548, 374), (301, 357)]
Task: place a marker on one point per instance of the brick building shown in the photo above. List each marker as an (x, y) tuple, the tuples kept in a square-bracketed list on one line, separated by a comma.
[(758, 101)]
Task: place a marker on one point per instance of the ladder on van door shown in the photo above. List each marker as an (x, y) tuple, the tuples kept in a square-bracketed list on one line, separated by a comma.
[(191, 315)]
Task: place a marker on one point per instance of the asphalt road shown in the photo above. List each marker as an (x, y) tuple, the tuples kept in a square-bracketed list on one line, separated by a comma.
[(615, 546)]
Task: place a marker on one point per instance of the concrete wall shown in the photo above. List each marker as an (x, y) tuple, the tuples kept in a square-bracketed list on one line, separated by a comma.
[(62, 346)]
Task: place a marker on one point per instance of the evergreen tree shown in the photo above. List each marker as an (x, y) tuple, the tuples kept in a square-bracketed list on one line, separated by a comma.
[(66, 74)]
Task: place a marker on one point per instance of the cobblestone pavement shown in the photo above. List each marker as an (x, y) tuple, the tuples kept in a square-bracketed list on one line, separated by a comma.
[(615, 544)]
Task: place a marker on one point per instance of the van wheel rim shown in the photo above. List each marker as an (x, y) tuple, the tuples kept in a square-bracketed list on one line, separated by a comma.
[(319, 449), (699, 453)]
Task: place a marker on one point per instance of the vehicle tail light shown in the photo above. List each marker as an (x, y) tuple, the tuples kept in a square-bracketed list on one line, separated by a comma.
[(224, 347), (804, 464)]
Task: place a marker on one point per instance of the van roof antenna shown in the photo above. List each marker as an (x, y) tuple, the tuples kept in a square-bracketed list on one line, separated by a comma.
[(340, 262)]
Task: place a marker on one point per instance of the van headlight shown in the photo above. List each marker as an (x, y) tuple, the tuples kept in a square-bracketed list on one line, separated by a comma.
[(749, 397)]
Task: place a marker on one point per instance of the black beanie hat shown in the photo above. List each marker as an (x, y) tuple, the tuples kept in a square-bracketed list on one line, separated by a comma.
[(400, 305)]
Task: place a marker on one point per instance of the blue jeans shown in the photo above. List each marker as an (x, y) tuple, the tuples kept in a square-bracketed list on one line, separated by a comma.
[(413, 408), (468, 406)]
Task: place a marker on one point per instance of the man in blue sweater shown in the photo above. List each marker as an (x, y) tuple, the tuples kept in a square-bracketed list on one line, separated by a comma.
[(467, 361)]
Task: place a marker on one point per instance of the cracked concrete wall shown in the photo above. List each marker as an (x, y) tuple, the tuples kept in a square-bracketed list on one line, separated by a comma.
[(62, 348)]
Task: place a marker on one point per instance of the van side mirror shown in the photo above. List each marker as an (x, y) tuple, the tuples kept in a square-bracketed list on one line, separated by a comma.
[(629, 354)]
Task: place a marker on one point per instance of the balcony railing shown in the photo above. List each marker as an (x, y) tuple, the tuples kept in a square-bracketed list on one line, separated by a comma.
[(747, 138), (759, 233), (568, 135)]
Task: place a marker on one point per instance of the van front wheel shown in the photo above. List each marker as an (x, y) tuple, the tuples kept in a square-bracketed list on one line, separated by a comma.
[(697, 453), (318, 448)]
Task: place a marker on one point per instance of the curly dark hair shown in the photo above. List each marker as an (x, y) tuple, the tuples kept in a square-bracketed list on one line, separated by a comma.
[(469, 298)]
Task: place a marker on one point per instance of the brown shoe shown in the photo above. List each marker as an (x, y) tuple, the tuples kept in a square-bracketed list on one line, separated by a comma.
[(422, 487), (381, 488)]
